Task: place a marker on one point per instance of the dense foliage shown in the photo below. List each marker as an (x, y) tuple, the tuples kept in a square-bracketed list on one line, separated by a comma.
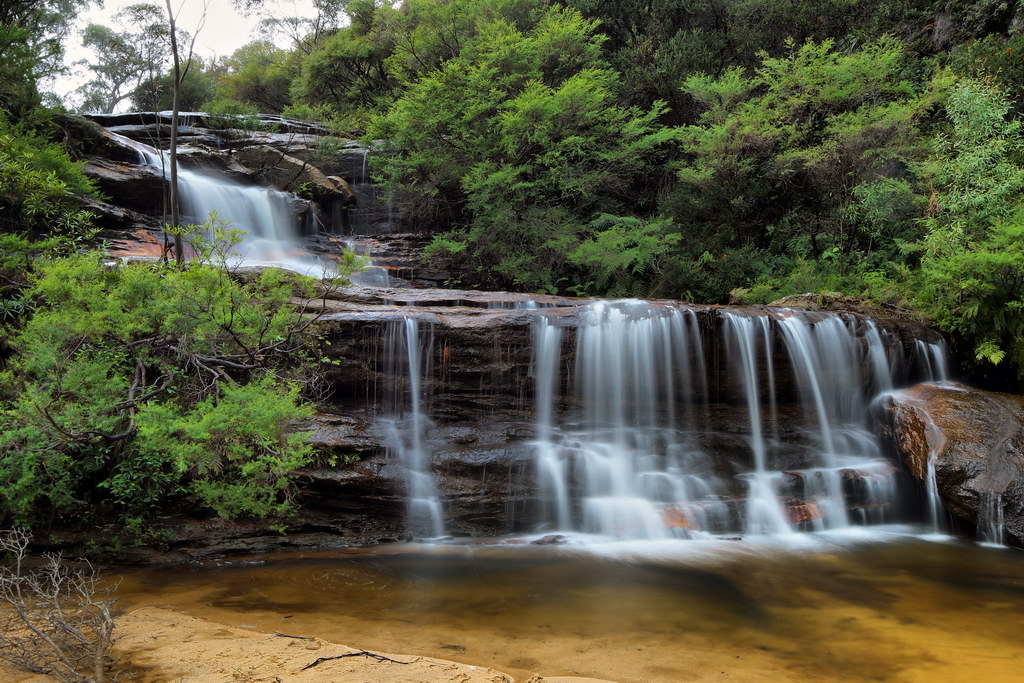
[(134, 386), (708, 150)]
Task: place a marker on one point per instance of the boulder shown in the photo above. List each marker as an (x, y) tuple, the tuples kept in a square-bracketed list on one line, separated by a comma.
[(159, 135), (274, 168), (976, 439), (835, 301)]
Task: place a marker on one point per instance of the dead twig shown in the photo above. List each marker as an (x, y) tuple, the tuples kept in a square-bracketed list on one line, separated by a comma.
[(360, 653)]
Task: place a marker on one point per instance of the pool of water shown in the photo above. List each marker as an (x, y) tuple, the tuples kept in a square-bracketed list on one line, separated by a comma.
[(887, 606)]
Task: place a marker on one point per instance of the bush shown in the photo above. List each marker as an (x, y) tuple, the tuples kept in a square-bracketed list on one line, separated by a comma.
[(239, 449), (107, 351), (971, 279)]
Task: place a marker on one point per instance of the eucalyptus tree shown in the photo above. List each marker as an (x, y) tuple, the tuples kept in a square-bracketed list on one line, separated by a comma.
[(32, 35)]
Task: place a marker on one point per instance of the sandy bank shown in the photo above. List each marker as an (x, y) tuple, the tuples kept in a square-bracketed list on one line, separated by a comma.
[(160, 645)]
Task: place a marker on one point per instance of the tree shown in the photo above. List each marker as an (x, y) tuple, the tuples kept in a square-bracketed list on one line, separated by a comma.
[(518, 142), (306, 32), (348, 69), (126, 57), (130, 388), (180, 70), (198, 86), (32, 34), (257, 74), (971, 280), (778, 158)]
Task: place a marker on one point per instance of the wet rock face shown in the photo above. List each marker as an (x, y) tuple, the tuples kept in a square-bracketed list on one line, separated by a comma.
[(134, 187), (477, 393), (977, 440), (485, 477)]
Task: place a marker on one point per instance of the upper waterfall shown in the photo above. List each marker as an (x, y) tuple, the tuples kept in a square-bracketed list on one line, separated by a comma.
[(269, 218)]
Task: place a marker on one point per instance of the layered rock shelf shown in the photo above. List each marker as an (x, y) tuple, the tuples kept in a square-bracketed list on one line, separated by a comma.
[(479, 352)]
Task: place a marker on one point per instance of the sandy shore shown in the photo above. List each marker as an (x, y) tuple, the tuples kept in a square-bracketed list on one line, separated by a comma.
[(160, 645)]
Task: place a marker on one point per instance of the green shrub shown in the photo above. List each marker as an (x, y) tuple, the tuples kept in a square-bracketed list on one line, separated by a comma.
[(134, 387)]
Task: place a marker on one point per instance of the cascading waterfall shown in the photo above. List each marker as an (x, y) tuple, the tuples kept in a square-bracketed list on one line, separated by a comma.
[(406, 435), (268, 217), (621, 466), (625, 457), (743, 334), (990, 525), (553, 475), (933, 358)]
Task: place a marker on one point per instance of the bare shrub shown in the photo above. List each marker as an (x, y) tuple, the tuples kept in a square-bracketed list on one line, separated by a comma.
[(54, 618)]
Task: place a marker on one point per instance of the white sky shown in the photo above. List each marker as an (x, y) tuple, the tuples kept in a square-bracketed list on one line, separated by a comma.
[(225, 29)]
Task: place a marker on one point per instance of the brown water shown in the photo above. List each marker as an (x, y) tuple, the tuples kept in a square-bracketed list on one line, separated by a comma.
[(902, 609)]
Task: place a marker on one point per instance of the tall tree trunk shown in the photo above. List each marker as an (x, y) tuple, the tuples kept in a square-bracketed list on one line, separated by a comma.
[(179, 239)]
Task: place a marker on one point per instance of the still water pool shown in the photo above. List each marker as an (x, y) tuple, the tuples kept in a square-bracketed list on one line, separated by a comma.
[(886, 606)]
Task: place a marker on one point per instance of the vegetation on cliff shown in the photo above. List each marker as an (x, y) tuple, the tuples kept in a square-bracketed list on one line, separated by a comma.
[(133, 386), (706, 150)]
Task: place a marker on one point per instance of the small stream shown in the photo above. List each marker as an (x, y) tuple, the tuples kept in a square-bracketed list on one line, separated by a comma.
[(826, 606)]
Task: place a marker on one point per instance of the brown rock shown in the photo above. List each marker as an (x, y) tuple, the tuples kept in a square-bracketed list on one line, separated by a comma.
[(977, 440), (135, 187)]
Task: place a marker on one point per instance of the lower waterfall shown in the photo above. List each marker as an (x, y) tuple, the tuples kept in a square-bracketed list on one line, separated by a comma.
[(620, 448)]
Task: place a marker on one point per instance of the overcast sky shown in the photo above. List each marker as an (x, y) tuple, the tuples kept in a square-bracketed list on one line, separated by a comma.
[(225, 29)]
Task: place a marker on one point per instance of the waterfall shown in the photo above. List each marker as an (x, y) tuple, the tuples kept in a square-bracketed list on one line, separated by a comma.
[(933, 357), (625, 453), (990, 525), (268, 217), (764, 511), (406, 437), (620, 467)]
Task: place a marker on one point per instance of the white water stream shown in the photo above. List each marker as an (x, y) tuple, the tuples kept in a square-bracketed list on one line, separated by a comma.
[(407, 434), (269, 218), (629, 457)]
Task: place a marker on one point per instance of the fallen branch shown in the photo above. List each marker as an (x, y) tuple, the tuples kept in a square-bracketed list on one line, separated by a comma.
[(360, 653), (285, 635)]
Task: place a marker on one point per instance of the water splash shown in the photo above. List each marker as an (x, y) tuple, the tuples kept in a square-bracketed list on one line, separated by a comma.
[(990, 524), (764, 512)]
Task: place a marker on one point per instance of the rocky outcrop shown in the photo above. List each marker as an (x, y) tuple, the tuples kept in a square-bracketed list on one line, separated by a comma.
[(835, 301), (277, 169), (290, 156), (976, 440), (134, 187), (485, 339)]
